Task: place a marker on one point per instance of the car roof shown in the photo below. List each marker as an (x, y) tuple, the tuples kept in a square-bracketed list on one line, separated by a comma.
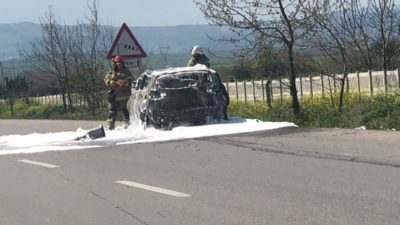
[(199, 68)]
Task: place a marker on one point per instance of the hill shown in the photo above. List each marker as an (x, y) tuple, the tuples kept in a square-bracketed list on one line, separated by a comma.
[(177, 39), (14, 35)]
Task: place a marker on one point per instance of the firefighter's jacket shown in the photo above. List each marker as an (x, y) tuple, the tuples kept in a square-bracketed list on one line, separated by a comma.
[(119, 91)]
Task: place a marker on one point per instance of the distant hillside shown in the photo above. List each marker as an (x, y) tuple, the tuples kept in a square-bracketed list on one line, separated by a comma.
[(181, 38), (12, 35), (178, 39)]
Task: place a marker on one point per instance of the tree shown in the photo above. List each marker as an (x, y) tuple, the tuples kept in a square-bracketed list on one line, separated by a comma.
[(359, 31), (270, 63), (49, 54), (87, 50), (242, 70), (75, 55), (330, 34), (280, 21), (384, 21)]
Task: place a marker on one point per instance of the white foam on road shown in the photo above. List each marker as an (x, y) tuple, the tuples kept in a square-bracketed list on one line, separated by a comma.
[(60, 141)]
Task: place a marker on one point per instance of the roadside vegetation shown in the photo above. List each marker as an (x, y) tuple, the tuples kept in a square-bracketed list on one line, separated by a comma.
[(377, 112), (34, 110)]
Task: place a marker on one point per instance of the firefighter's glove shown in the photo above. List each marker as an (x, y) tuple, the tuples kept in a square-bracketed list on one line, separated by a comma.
[(121, 82)]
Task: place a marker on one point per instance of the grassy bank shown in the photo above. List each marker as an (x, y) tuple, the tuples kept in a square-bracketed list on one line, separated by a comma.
[(48, 111), (377, 112)]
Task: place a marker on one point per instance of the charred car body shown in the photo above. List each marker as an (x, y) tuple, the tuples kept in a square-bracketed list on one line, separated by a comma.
[(176, 96)]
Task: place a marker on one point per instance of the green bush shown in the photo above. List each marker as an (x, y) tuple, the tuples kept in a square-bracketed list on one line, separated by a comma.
[(46, 111), (377, 112), (3, 108), (251, 111)]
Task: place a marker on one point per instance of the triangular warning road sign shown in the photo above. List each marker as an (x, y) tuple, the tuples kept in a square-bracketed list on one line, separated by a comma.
[(126, 45)]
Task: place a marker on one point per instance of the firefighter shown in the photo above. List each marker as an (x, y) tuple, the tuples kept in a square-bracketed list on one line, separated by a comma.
[(119, 80), (198, 57)]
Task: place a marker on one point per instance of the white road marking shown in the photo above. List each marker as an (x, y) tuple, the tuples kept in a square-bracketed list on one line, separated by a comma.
[(38, 163), (152, 188)]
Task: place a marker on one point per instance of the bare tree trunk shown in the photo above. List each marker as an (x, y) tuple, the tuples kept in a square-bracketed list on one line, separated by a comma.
[(11, 104), (292, 80), (268, 92), (342, 85)]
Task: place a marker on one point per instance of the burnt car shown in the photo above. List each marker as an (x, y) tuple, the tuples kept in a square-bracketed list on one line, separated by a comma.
[(179, 96)]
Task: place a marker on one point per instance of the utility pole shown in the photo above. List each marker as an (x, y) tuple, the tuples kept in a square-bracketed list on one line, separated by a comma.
[(2, 74), (2, 71), (164, 54)]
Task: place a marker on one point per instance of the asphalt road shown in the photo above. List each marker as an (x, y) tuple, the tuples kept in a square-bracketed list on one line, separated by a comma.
[(286, 176)]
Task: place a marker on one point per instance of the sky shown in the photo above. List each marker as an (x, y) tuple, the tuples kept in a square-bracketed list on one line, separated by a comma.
[(111, 12), (62, 141)]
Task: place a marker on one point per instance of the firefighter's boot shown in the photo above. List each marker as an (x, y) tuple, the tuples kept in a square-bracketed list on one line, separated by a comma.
[(111, 124)]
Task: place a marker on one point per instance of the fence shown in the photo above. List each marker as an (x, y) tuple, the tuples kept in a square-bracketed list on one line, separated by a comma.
[(76, 100), (360, 82)]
